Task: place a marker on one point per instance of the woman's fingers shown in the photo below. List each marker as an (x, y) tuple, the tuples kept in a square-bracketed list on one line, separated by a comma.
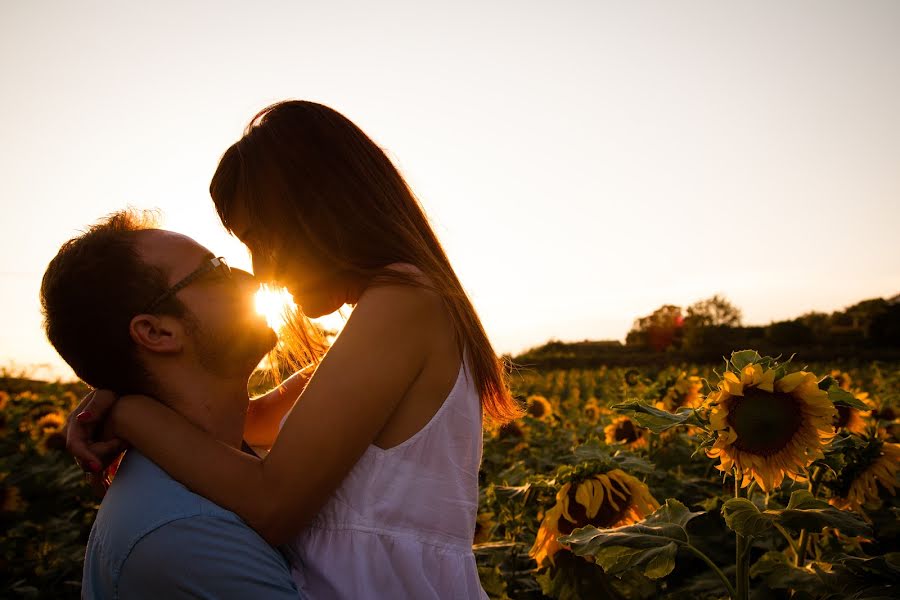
[(80, 430), (98, 404), (99, 483), (108, 450)]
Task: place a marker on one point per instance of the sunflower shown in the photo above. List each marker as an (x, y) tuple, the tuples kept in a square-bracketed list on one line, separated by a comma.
[(880, 467), (592, 411), (623, 431), (766, 429), (510, 431), (606, 500), (632, 377), (11, 499), (484, 527), (684, 392), (849, 418), (49, 429), (539, 408)]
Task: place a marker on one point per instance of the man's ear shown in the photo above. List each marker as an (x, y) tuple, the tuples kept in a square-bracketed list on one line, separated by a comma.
[(163, 335)]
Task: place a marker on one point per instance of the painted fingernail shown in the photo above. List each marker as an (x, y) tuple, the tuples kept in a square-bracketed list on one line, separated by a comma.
[(94, 466), (83, 415)]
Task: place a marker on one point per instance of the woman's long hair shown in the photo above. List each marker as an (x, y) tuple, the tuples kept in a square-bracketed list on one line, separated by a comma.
[(312, 180)]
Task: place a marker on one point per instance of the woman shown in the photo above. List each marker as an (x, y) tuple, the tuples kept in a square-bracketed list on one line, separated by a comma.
[(373, 478)]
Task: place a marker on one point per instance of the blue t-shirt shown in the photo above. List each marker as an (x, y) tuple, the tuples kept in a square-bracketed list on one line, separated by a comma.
[(154, 538)]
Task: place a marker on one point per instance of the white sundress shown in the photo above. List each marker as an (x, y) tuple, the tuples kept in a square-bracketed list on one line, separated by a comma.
[(401, 523)]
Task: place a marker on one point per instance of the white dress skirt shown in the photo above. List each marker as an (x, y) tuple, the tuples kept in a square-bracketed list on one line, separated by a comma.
[(401, 523)]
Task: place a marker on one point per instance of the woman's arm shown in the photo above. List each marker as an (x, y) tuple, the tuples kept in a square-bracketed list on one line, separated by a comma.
[(265, 412), (358, 384)]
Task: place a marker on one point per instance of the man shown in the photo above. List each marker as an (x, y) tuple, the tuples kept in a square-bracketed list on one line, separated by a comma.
[(140, 310)]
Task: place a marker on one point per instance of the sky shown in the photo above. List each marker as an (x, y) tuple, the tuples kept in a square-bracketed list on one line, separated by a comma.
[(583, 163)]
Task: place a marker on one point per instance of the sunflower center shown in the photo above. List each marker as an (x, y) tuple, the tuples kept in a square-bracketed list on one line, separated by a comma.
[(607, 515), (765, 422), (626, 432)]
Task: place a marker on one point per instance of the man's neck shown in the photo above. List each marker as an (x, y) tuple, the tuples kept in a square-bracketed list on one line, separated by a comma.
[(214, 404)]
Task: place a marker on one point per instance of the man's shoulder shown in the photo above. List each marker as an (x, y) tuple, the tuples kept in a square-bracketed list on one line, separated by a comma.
[(143, 497), (144, 500)]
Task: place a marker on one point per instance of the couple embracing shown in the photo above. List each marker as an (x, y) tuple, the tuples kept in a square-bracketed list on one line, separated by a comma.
[(370, 486)]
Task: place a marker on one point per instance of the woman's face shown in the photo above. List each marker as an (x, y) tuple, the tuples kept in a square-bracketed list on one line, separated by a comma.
[(319, 291)]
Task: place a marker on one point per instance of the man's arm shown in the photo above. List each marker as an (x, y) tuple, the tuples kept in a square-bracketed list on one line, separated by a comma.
[(205, 557)]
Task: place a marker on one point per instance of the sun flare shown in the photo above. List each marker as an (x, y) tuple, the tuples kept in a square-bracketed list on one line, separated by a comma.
[(273, 303)]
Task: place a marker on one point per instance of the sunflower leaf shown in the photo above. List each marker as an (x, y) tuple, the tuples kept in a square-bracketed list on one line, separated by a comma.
[(655, 419), (742, 358), (650, 545), (743, 517), (838, 395), (779, 573), (804, 511)]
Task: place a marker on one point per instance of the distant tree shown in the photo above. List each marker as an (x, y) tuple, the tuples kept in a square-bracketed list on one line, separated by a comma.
[(885, 328), (713, 312), (789, 333), (818, 324), (659, 330)]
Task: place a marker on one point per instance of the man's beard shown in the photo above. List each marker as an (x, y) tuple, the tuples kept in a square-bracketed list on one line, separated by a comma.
[(234, 352)]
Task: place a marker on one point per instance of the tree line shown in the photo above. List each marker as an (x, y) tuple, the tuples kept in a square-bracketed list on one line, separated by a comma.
[(713, 327)]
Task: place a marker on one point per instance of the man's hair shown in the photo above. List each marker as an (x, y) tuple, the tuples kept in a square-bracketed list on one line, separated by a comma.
[(92, 288)]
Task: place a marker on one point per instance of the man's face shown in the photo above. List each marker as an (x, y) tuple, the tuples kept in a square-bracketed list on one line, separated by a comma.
[(222, 326)]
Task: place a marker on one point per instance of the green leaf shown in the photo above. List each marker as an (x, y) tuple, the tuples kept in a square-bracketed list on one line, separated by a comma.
[(742, 358), (803, 511), (633, 464), (807, 512), (650, 545), (655, 419), (838, 395), (591, 451), (743, 517), (654, 562), (780, 574)]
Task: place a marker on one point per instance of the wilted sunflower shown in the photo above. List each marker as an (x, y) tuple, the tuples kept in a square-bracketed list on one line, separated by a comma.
[(684, 392), (613, 499), (539, 408), (623, 431), (769, 429), (859, 486)]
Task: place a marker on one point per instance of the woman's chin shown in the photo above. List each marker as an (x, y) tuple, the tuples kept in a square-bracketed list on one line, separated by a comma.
[(314, 309)]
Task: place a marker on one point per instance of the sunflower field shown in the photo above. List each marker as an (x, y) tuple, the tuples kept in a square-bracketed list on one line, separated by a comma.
[(751, 479)]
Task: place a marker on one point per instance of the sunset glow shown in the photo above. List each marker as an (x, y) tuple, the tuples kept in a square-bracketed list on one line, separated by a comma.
[(273, 303)]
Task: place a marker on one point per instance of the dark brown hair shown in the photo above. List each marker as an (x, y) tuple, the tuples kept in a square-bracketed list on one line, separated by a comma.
[(313, 181), (91, 290)]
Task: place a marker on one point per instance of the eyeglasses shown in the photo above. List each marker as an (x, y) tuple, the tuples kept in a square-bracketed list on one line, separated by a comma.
[(210, 265)]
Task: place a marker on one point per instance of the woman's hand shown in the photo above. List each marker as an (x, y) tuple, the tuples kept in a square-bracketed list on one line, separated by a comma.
[(90, 440)]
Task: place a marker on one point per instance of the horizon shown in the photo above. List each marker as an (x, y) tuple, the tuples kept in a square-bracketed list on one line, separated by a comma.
[(582, 165)]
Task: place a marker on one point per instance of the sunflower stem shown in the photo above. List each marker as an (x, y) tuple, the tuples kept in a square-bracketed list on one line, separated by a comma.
[(803, 542), (741, 572), (712, 566), (787, 537)]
